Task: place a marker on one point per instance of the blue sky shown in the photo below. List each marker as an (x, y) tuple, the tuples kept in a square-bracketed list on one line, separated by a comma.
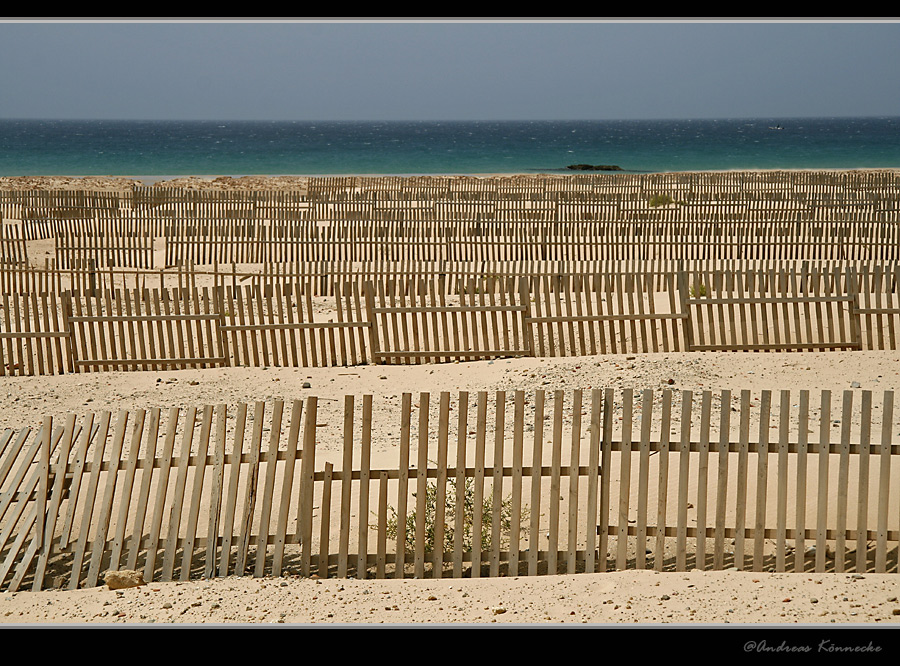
[(447, 70)]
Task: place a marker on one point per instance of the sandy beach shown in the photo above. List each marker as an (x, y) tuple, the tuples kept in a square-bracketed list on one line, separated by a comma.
[(644, 597), (615, 599)]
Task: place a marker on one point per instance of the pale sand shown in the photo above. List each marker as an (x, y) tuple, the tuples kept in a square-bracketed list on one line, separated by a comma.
[(620, 597), (616, 598), (613, 599)]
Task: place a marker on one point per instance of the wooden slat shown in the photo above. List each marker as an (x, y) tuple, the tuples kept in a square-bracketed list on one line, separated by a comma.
[(573, 497), (237, 451), (534, 536), (640, 549), (105, 510), (362, 513), (887, 413), (196, 494), (216, 493), (250, 490), (124, 499), (262, 539), (286, 488), (403, 487), (346, 487), (683, 476), (840, 553), (624, 480), (164, 463), (478, 492), (822, 486), (663, 490), (307, 477), (440, 496), (762, 480), (421, 486)]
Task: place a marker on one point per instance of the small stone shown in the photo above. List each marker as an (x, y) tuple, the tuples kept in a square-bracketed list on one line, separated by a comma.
[(854, 385), (117, 580), (307, 385), (498, 610)]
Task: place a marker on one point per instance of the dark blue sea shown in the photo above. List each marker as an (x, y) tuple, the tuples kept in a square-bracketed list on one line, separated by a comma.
[(174, 148)]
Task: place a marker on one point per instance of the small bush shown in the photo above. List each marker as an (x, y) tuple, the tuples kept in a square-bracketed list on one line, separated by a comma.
[(468, 497), (661, 200), (698, 290)]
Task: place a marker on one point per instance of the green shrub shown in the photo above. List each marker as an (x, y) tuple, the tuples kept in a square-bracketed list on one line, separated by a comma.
[(468, 497), (661, 200), (698, 290)]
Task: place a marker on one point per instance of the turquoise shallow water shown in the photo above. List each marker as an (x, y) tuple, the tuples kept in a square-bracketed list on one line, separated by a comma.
[(59, 147)]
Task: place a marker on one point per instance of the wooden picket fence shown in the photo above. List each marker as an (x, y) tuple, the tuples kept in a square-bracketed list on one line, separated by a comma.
[(277, 326), (588, 315), (519, 239), (13, 249), (477, 327), (780, 216), (108, 242), (143, 330), (415, 321), (564, 482), (320, 277), (711, 194)]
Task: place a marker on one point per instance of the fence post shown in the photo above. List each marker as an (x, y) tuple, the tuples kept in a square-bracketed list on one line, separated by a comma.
[(92, 277), (527, 332), (687, 324), (594, 471), (307, 478), (43, 483), (855, 316), (369, 290), (221, 338), (68, 329)]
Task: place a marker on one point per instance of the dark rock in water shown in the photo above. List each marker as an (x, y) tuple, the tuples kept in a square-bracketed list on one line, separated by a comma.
[(594, 167)]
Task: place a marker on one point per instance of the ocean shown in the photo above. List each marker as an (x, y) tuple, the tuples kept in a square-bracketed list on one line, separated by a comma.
[(236, 148)]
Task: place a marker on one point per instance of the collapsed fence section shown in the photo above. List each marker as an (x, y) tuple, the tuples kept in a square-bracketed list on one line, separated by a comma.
[(470, 485)]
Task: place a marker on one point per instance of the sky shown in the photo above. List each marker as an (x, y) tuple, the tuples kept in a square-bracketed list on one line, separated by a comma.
[(447, 70)]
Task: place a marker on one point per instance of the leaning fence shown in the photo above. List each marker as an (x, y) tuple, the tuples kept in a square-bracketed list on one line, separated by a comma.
[(416, 321), (509, 483)]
